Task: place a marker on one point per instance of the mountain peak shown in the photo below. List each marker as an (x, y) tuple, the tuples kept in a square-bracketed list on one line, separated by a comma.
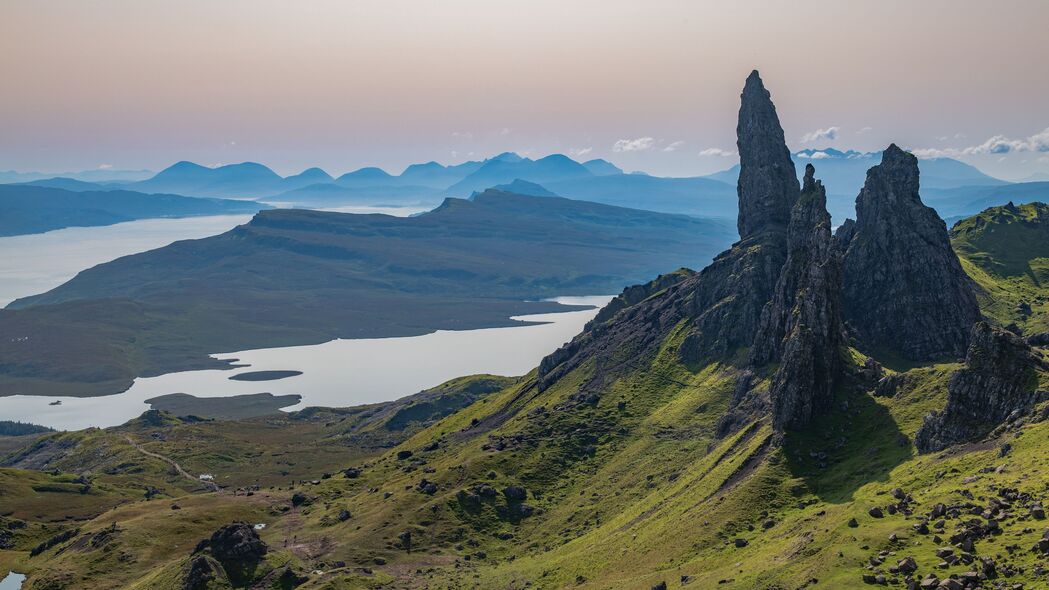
[(767, 185)]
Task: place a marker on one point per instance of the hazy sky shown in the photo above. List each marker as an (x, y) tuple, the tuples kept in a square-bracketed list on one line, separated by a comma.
[(651, 85)]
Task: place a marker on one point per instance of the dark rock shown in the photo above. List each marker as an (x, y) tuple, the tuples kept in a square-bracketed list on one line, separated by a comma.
[(344, 515), (802, 328), (352, 473), (853, 523), (289, 578), (402, 455), (721, 306), (768, 184), (999, 378), (905, 290), (876, 512), (1039, 339), (660, 586), (740, 542), (201, 571), (238, 548), (515, 494), (300, 499)]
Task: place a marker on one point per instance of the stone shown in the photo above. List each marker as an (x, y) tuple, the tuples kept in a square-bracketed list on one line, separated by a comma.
[(515, 494), (904, 289), (998, 379), (238, 548), (200, 573), (741, 542), (802, 327)]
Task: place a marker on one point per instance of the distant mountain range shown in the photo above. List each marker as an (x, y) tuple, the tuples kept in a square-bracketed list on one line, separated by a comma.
[(29, 209), (955, 188)]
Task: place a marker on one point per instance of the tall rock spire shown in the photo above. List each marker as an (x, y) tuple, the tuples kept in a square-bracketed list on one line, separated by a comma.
[(802, 327), (768, 183), (905, 291)]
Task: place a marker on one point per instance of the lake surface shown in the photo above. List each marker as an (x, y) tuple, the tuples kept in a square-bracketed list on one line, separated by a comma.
[(336, 374), (40, 262), (13, 581)]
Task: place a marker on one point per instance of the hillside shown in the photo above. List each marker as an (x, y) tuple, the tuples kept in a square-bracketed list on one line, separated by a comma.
[(297, 277), (27, 209), (765, 422), (1006, 251)]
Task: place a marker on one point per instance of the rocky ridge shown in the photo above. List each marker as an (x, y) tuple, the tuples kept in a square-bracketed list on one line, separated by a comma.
[(997, 383), (905, 292)]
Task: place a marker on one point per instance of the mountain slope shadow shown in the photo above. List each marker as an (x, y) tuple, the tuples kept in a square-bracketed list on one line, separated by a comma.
[(857, 443)]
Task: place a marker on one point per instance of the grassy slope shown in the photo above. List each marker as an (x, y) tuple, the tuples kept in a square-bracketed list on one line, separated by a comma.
[(629, 483), (1006, 251)]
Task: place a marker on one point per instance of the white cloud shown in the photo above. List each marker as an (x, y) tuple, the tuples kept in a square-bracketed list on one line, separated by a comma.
[(717, 152), (813, 155), (505, 131), (828, 134), (863, 130), (674, 146), (998, 144), (633, 145), (105, 166), (576, 152)]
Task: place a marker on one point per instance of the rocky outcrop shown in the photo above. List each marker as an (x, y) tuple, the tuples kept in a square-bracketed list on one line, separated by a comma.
[(802, 327), (237, 548), (734, 289), (999, 381), (721, 305), (905, 292), (768, 183), (199, 574)]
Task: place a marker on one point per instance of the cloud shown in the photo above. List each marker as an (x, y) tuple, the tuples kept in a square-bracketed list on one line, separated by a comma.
[(105, 166), (505, 131), (674, 146), (998, 144), (633, 145), (813, 155), (828, 134), (462, 134), (576, 152), (863, 130), (717, 152)]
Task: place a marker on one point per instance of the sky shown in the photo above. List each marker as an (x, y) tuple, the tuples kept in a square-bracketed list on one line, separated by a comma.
[(650, 85)]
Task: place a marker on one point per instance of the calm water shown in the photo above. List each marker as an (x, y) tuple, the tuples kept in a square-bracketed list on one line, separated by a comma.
[(336, 373), (40, 262), (13, 581)]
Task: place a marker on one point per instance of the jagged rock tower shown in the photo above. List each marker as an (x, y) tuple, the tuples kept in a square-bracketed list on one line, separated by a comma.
[(802, 327), (739, 282), (905, 291)]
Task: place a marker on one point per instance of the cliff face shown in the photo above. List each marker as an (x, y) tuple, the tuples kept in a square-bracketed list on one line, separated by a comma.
[(721, 305), (905, 292), (999, 378), (736, 287), (802, 326), (768, 185)]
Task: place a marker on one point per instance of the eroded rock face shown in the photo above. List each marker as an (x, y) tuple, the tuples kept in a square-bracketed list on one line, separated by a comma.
[(905, 292), (802, 327), (722, 303), (768, 184), (999, 378)]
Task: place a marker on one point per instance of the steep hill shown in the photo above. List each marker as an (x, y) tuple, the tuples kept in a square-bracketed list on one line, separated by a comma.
[(297, 277)]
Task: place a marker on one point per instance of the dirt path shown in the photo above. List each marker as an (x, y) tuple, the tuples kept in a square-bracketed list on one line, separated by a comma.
[(211, 486)]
